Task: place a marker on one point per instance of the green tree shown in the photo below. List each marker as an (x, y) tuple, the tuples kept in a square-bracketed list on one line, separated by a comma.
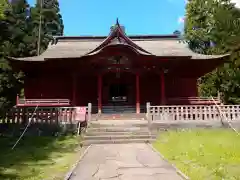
[(17, 19), (14, 42), (213, 27), (51, 23)]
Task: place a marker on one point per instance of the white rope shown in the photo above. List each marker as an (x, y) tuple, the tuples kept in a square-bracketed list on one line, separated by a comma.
[(29, 122), (224, 116)]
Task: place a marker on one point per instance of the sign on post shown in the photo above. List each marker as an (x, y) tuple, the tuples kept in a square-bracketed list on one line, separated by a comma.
[(80, 114)]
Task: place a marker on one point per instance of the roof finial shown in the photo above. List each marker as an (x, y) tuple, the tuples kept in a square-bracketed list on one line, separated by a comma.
[(117, 22)]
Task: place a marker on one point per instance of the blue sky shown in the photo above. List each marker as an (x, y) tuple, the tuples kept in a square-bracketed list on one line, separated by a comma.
[(94, 17)]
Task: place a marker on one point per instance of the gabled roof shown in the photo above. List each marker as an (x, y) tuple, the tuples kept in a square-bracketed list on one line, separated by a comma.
[(118, 37), (150, 45)]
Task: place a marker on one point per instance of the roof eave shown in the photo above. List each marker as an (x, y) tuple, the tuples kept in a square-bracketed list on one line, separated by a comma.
[(27, 59), (211, 57)]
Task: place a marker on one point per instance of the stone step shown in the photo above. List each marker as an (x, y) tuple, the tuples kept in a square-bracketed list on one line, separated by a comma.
[(125, 116), (117, 129), (119, 123), (113, 118), (116, 137), (118, 141), (127, 125), (117, 133)]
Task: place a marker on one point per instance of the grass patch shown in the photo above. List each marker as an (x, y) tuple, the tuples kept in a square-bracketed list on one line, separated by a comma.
[(37, 158), (203, 154)]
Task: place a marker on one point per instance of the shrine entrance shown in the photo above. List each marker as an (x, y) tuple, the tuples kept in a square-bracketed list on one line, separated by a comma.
[(118, 93)]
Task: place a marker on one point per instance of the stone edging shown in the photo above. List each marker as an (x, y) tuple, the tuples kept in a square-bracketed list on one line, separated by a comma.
[(177, 170), (70, 172)]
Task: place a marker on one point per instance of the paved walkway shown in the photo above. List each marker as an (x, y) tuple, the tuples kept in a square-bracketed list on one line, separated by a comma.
[(123, 162)]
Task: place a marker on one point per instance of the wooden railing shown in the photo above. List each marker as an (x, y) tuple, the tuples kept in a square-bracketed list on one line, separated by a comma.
[(192, 112), (42, 102), (194, 100), (43, 115)]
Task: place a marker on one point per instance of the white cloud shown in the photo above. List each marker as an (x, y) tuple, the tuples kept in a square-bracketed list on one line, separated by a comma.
[(237, 2), (181, 19)]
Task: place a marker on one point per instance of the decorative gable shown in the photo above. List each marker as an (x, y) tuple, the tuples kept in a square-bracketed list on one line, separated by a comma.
[(118, 37)]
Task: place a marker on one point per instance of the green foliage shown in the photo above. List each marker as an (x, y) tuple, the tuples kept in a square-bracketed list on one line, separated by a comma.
[(3, 6), (213, 27), (52, 23), (13, 43)]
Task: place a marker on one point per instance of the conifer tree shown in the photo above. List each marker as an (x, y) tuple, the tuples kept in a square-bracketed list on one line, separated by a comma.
[(51, 22), (14, 37)]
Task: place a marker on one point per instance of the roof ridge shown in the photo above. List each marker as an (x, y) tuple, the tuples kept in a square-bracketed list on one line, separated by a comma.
[(168, 36)]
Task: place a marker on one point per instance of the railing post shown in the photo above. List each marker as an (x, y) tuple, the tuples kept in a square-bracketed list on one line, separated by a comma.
[(89, 111), (148, 115), (17, 99), (147, 109)]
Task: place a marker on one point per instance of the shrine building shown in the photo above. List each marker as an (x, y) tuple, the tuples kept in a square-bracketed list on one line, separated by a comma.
[(116, 71)]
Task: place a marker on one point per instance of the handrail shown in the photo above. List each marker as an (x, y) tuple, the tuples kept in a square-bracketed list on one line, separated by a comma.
[(22, 102), (192, 100), (197, 98), (44, 100)]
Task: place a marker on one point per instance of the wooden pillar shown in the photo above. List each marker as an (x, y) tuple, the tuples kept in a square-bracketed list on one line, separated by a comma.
[(137, 94), (162, 81), (17, 99), (74, 89), (99, 93)]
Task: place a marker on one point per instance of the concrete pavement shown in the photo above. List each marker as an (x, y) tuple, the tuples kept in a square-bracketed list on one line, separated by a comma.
[(123, 162)]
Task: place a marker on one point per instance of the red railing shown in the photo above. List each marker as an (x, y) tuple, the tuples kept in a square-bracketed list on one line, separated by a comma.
[(42, 102)]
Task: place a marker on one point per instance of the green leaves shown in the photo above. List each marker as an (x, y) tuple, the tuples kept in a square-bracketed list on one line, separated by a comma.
[(3, 5), (52, 23), (213, 27)]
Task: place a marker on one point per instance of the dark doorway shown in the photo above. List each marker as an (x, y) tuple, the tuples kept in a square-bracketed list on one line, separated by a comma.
[(118, 92)]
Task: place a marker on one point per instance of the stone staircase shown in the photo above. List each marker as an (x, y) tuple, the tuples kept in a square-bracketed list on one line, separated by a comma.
[(124, 117), (118, 131)]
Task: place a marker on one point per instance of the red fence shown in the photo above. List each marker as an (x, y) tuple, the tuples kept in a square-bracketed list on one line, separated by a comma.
[(42, 102)]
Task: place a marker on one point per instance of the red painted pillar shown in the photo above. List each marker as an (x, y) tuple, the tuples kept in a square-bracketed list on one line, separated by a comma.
[(74, 89), (162, 80), (99, 93), (137, 94), (17, 99)]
